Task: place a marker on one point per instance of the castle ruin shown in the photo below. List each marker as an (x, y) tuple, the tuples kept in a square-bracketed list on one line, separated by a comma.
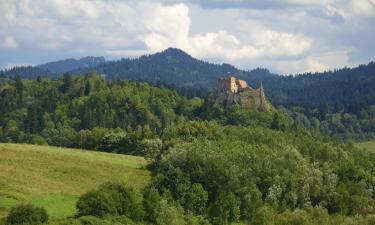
[(234, 91)]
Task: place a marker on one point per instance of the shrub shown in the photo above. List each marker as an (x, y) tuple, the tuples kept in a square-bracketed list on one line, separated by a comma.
[(151, 199), (96, 203), (196, 199), (111, 199), (225, 209), (27, 214), (38, 140), (167, 214)]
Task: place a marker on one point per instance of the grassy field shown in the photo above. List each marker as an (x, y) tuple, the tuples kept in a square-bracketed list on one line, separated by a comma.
[(54, 177), (369, 145)]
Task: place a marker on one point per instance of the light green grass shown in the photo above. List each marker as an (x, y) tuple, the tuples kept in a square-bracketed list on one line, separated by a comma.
[(54, 177), (368, 145)]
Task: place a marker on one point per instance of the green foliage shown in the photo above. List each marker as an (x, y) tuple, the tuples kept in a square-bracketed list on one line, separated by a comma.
[(168, 214), (225, 210), (111, 199), (254, 172), (89, 112), (356, 124), (27, 214), (38, 140), (196, 199), (151, 200)]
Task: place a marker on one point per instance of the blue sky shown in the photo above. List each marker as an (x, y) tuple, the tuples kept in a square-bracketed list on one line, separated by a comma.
[(288, 36)]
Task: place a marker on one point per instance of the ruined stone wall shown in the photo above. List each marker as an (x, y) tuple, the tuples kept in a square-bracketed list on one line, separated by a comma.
[(234, 91)]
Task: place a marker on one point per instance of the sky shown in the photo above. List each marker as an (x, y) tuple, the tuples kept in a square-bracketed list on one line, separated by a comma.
[(285, 36)]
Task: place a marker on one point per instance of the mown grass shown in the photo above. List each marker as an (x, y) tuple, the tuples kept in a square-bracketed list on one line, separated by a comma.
[(54, 177), (368, 145)]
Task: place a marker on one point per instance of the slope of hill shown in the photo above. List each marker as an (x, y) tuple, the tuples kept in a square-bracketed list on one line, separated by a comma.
[(54, 177), (67, 65)]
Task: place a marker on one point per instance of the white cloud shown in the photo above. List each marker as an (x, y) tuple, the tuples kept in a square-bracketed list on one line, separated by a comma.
[(170, 26), (314, 63), (364, 7), (9, 42)]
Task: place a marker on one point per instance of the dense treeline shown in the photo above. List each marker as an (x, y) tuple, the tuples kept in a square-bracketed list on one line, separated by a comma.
[(88, 112), (337, 123)]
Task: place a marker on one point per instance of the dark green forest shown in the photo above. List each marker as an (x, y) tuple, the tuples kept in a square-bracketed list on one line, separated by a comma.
[(210, 164)]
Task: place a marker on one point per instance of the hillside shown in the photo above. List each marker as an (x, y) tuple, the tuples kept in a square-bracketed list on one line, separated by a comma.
[(54, 177)]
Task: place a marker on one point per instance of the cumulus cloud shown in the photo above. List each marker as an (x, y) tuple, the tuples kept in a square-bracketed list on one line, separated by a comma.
[(364, 7), (314, 63), (9, 42)]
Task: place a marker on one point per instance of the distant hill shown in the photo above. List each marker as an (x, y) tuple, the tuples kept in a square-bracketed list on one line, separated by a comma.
[(68, 65), (53, 69)]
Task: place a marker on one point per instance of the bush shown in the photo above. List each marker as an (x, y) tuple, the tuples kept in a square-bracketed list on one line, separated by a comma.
[(38, 140), (27, 214), (167, 214), (111, 199), (151, 199), (96, 203)]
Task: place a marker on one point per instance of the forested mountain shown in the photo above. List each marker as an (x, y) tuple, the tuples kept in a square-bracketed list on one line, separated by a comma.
[(68, 65)]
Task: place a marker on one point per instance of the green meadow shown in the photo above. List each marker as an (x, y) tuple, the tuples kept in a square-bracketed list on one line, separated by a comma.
[(54, 177)]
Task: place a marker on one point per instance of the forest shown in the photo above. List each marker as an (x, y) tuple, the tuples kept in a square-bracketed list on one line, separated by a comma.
[(209, 164)]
